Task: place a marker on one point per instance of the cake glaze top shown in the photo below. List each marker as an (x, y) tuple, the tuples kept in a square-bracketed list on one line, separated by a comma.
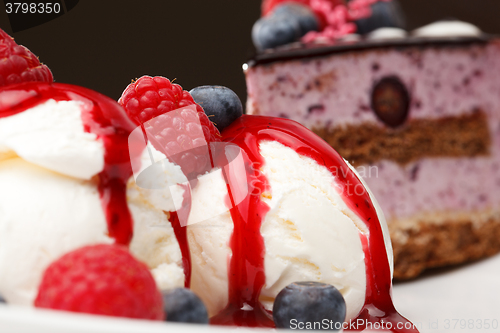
[(299, 50)]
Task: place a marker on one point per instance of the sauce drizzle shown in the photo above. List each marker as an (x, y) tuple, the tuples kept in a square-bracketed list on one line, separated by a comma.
[(246, 268)]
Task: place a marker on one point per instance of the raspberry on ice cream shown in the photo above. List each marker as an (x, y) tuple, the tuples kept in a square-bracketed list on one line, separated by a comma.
[(180, 131), (18, 64), (176, 125), (101, 279)]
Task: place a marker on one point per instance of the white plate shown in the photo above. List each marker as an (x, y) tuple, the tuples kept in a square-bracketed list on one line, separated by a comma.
[(29, 320), (460, 299)]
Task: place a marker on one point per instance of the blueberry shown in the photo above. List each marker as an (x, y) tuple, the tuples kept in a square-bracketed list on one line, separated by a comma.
[(391, 101), (221, 104), (183, 306), (273, 31), (384, 15), (2, 299), (300, 303), (303, 14), (286, 24)]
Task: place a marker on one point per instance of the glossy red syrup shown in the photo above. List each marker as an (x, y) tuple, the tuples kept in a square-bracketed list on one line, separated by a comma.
[(103, 117), (246, 268)]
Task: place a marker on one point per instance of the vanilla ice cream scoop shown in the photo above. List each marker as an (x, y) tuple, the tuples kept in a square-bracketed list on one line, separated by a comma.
[(309, 217), (65, 182), (279, 206)]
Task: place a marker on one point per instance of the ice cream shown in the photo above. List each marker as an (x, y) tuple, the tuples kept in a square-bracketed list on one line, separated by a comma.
[(64, 164), (309, 234), (416, 108), (309, 218)]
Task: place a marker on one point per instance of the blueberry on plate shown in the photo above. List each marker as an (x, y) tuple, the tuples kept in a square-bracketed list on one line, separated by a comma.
[(2, 299), (221, 104), (181, 305), (385, 14), (305, 303)]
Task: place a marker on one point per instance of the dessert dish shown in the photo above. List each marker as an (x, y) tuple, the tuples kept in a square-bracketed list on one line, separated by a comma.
[(247, 208), (416, 114), (278, 186)]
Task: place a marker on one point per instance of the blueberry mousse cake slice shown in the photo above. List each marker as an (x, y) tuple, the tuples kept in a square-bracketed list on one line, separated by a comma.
[(418, 114)]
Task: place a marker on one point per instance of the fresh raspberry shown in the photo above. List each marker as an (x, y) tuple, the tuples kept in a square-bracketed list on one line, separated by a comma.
[(18, 64), (172, 121), (101, 279)]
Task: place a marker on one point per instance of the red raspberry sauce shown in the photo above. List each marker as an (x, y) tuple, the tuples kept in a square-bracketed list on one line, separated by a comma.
[(181, 233)]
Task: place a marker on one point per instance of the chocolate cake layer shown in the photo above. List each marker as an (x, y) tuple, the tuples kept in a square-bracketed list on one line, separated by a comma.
[(456, 238), (459, 136)]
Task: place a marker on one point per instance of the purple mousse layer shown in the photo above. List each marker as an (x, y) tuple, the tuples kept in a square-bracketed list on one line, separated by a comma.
[(443, 80), (431, 185)]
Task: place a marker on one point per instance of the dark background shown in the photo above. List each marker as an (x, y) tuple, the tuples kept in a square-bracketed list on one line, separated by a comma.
[(103, 44)]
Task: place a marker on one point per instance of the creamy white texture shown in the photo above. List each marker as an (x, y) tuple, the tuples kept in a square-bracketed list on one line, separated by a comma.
[(52, 136), (154, 241), (50, 204), (309, 234), (43, 215), (448, 29)]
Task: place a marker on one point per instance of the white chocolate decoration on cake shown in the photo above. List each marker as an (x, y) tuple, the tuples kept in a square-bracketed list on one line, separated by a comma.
[(448, 29)]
